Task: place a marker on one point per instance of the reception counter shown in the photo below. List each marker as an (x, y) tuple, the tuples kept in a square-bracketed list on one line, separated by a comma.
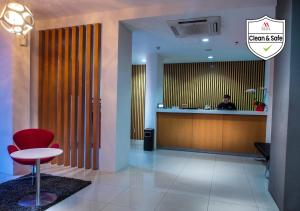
[(210, 130)]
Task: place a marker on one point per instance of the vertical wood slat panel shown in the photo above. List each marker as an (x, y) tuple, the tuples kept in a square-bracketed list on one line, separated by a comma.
[(96, 97), (69, 76), (73, 98), (211, 82), (88, 98), (41, 76), (138, 101), (66, 99), (81, 98), (99, 89), (53, 87), (52, 84), (60, 99), (45, 105)]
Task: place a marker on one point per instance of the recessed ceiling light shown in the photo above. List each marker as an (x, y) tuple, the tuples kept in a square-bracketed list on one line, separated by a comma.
[(210, 57), (205, 40), (144, 60)]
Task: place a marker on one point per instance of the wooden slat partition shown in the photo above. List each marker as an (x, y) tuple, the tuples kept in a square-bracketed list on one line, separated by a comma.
[(138, 101), (200, 84), (66, 91), (96, 98), (41, 70), (53, 86), (73, 98), (88, 98), (45, 84), (60, 75), (80, 99), (53, 83), (69, 92)]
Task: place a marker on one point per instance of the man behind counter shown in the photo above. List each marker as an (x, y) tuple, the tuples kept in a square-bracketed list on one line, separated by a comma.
[(226, 104)]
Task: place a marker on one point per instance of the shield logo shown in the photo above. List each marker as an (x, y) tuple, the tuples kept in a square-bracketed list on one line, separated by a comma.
[(265, 37)]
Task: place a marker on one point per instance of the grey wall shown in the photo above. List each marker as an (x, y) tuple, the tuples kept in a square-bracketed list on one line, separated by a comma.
[(292, 177), (285, 149)]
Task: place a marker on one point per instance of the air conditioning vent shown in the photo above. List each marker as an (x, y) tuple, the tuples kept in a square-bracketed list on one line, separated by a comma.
[(196, 26), (175, 31)]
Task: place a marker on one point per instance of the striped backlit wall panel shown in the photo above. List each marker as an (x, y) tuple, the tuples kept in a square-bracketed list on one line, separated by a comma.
[(69, 92), (138, 101), (200, 84)]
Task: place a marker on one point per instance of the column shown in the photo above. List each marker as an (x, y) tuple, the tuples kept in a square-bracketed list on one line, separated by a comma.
[(284, 181), (115, 96), (154, 88)]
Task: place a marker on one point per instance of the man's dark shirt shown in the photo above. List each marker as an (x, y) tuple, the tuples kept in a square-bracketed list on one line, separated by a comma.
[(226, 106)]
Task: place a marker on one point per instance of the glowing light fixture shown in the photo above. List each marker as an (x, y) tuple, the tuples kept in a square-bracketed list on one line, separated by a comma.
[(210, 57), (205, 40), (16, 18)]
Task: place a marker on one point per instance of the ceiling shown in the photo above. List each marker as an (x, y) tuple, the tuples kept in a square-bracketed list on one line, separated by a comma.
[(148, 33), (152, 32), (61, 8)]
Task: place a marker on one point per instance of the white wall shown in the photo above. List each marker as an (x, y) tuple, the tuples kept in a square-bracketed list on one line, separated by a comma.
[(34, 92), (154, 89), (116, 96), (6, 99), (109, 86), (151, 90), (14, 96), (124, 97)]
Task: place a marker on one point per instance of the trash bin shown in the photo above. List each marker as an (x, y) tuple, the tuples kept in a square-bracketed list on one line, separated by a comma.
[(148, 139)]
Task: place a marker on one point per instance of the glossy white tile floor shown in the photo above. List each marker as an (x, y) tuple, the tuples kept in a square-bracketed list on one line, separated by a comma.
[(172, 181)]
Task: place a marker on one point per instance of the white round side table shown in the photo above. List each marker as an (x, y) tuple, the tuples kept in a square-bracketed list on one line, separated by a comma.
[(38, 199)]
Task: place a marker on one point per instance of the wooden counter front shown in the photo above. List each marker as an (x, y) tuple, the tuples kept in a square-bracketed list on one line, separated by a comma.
[(210, 132)]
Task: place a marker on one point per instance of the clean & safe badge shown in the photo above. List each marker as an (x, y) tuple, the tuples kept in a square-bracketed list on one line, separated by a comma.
[(265, 37)]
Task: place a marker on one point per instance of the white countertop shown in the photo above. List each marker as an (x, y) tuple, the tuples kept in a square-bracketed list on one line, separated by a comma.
[(202, 111)]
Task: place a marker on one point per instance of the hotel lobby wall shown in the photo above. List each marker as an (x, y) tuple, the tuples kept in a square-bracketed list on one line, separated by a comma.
[(14, 96), (110, 22)]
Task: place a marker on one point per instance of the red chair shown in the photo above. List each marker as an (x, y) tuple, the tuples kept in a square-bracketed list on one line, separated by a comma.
[(29, 139)]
